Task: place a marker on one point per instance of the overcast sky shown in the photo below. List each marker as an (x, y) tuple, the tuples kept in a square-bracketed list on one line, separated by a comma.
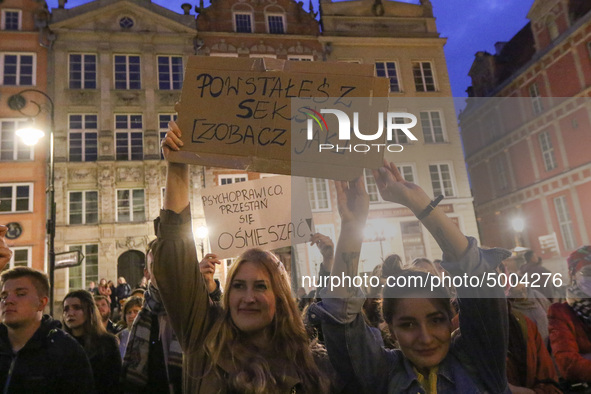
[(469, 25)]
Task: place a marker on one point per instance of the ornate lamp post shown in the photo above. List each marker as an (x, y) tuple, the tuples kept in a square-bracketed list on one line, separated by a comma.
[(31, 136)]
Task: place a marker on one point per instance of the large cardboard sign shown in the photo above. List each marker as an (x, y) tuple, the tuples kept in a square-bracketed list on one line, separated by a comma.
[(257, 213), (237, 113)]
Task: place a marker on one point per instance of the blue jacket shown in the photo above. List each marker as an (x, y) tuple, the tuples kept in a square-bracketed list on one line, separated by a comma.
[(477, 356)]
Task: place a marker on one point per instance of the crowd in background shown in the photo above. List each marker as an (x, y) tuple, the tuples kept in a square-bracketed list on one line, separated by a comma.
[(180, 331)]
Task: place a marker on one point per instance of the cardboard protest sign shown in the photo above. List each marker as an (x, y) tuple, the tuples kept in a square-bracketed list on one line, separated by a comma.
[(237, 113), (257, 213)]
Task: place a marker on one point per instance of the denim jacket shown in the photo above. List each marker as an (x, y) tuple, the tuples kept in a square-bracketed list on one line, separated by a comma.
[(477, 356)]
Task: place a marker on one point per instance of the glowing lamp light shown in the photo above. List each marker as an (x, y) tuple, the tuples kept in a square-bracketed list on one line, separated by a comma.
[(518, 224), (201, 232), (30, 135)]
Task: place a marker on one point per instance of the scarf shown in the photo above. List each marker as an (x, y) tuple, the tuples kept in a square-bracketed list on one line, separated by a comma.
[(135, 361), (428, 383)]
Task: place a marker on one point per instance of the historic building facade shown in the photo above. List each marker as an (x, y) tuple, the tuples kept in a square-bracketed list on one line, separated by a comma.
[(527, 144), (24, 40), (116, 71)]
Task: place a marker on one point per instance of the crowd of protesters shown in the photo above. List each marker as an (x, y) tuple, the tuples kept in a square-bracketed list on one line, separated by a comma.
[(182, 332)]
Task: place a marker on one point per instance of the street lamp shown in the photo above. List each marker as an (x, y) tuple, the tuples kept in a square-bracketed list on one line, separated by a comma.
[(31, 136), (518, 226), (201, 233)]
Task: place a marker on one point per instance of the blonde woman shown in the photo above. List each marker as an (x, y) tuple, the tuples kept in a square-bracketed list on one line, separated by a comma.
[(255, 341)]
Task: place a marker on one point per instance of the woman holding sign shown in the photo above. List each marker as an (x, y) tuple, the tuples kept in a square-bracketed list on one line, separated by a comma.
[(255, 342), (428, 360)]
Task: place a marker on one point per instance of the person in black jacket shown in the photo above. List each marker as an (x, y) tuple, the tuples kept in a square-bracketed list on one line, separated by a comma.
[(35, 355), (82, 320)]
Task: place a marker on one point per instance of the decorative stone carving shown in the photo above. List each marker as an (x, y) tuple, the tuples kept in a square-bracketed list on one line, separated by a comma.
[(243, 50), (132, 243), (167, 97), (106, 251), (262, 48), (81, 97), (128, 97), (105, 177), (82, 175), (152, 179), (129, 174), (222, 46)]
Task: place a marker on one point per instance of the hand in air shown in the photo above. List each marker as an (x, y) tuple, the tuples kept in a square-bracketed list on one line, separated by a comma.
[(172, 140)]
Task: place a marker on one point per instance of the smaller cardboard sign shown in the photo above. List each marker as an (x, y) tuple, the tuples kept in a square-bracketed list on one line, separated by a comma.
[(257, 214), (237, 113)]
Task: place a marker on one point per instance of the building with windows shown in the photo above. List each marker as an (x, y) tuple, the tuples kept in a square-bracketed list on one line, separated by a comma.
[(23, 61), (116, 70), (402, 41), (526, 132)]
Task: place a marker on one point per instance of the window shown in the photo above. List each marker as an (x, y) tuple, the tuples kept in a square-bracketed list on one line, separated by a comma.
[(88, 270), (21, 257), (163, 120), (318, 194), (131, 205), (16, 197), (301, 58), (552, 27), (536, 100), (547, 151), (398, 136), (129, 139), (432, 127), (423, 75), (126, 22), (565, 223), (407, 173), (17, 69), (229, 179), (441, 180), (170, 72), (127, 72), (243, 22), (501, 173), (11, 146), (83, 137), (82, 71), (276, 24), (11, 20), (389, 70), (372, 187), (84, 207)]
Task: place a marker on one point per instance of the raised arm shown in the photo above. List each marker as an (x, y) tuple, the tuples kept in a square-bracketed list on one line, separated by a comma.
[(176, 268), (176, 194), (353, 205), (394, 188)]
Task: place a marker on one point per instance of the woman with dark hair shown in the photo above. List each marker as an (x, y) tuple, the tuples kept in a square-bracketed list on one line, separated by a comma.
[(428, 360), (81, 319), (255, 341)]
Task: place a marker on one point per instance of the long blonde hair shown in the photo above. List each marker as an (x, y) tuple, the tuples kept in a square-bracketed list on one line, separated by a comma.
[(288, 336)]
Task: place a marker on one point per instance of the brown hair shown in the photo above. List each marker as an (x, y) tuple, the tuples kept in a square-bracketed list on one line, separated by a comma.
[(129, 303), (393, 294), (93, 328), (38, 278), (288, 335)]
